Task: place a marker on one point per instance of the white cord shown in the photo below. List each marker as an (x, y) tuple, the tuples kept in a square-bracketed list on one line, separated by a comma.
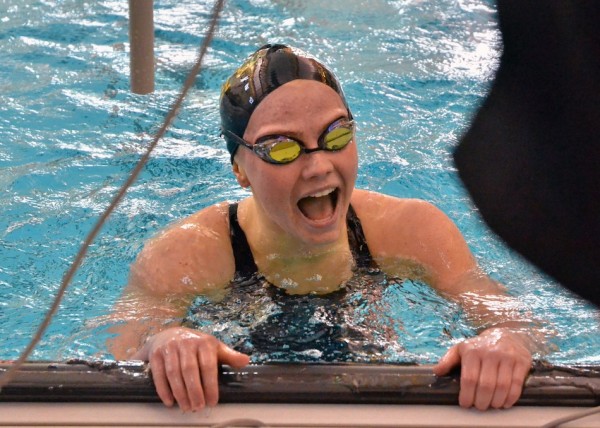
[(572, 417)]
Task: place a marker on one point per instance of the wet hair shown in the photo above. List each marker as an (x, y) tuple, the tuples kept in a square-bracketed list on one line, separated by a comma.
[(265, 70)]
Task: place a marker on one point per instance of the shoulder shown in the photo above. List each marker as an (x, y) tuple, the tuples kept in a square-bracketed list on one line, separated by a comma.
[(191, 256), (413, 231), (387, 218), (382, 210)]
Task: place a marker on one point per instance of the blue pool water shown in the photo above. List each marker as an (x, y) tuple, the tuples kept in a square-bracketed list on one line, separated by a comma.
[(70, 131)]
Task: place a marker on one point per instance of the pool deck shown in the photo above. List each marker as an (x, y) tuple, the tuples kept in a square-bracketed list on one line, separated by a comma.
[(281, 415)]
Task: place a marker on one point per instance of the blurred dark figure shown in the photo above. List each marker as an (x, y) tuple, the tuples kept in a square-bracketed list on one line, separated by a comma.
[(531, 159)]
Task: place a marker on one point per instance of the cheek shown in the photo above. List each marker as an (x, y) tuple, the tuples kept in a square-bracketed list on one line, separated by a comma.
[(350, 164), (269, 185)]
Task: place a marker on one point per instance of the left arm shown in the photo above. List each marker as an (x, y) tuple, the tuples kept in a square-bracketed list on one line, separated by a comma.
[(495, 364)]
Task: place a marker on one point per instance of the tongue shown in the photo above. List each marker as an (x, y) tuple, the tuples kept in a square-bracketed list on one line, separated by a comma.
[(316, 208)]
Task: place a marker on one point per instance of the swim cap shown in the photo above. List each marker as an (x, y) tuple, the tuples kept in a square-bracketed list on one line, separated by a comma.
[(265, 70)]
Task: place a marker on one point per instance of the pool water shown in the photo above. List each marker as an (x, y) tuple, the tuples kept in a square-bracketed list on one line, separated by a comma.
[(70, 131), (344, 326)]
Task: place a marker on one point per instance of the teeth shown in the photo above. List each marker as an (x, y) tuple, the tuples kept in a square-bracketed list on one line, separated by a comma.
[(323, 193)]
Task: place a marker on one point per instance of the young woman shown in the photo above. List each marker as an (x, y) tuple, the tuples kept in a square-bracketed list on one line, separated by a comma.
[(304, 231)]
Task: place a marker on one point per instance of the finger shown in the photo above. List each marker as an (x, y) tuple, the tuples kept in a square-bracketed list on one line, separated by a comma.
[(175, 378), (210, 376), (503, 383), (450, 360), (469, 377), (161, 383), (520, 372), (231, 357), (486, 385), (191, 377)]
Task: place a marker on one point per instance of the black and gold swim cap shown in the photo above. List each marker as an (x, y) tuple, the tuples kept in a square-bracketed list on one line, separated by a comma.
[(265, 70)]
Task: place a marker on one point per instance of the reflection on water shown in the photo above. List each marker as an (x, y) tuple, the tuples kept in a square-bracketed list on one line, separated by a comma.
[(413, 73)]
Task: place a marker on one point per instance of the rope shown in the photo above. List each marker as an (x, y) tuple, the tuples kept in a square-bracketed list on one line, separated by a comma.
[(572, 417), (9, 375)]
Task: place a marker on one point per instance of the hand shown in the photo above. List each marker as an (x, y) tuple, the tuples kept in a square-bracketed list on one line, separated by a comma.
[(494, 366), (184, 366)]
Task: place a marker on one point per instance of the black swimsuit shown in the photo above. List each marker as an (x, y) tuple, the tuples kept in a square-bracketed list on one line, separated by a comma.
[(265, 321), (245, 267)]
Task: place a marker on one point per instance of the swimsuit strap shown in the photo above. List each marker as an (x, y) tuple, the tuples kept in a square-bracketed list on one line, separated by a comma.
[(358, 241), (245, 267)]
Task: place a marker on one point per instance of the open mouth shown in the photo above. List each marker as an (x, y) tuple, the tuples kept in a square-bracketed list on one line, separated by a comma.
[(319, 206)]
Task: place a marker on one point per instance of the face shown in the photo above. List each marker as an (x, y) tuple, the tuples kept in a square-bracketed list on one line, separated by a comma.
[(308, 198)]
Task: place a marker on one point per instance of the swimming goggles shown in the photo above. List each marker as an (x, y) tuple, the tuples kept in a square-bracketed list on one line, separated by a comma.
[(280, 149)]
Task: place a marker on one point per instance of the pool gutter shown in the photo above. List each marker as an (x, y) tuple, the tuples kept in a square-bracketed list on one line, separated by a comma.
[(109, 394), (80, 381)]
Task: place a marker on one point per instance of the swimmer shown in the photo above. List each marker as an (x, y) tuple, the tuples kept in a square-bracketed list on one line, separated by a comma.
[(291, 137)]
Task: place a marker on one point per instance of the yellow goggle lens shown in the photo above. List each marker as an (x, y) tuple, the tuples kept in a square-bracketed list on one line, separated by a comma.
[(285, 151), (338, 138)]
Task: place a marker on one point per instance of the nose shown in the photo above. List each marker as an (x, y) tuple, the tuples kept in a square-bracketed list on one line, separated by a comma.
[(317, 164)]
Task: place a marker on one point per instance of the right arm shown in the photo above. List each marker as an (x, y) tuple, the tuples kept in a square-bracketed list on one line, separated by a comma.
[(191, 258)]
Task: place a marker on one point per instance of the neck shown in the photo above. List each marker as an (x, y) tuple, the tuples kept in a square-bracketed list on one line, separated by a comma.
[(302, 274), (294, 265)]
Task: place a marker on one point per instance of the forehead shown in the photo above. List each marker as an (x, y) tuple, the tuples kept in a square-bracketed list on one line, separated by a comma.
[(298, 100)]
